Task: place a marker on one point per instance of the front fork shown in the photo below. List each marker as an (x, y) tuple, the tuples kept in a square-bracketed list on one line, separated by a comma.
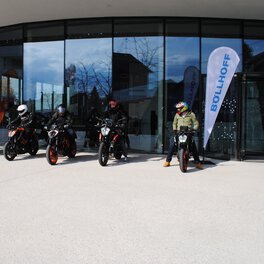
[(54, 142)]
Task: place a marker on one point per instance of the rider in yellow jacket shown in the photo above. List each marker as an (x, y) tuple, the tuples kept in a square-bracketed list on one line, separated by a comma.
[(183, 117)]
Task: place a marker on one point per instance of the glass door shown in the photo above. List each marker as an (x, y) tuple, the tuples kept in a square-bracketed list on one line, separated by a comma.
[(252, 140)]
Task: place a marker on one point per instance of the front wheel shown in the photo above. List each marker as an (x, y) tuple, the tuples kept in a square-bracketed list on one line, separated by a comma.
[(103, 154), (51, 155), (183, 159), (34, 147), (9, 151)]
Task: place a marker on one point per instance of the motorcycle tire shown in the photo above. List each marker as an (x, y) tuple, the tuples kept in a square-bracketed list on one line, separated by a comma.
[(183, 159), (103, 154), (118, 155), (72, 150), (34, 147), (7, 151), (51, 155)]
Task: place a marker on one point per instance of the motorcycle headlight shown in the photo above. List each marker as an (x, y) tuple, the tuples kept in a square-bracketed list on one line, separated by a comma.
[(53, 133), (11, 133), (182, 138), (105, 131)]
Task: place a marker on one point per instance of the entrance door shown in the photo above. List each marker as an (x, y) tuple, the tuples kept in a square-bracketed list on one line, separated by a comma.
[(252, 136)]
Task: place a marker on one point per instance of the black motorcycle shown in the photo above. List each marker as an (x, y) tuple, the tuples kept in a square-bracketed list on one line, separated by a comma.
[(60, 143), (110, 139), (184, 139), (21, 140)]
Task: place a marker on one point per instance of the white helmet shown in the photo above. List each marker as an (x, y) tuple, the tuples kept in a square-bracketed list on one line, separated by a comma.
[(22, 109)]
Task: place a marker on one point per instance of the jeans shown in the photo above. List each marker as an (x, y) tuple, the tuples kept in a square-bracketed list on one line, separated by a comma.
[(174, 147)]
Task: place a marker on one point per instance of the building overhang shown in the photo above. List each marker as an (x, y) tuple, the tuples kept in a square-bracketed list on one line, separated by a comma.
[(16, 12)]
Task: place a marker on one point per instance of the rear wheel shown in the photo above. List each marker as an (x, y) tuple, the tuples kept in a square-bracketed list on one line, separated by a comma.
[(9, 151), (183, 159), (72, 150), (103, 154), (51, 155)]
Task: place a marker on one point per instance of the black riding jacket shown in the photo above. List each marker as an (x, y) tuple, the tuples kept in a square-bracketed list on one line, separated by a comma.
[(60, 120), (25, 121)]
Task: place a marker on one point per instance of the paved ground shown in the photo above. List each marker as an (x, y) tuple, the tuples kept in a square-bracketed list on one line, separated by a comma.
[(135, 212)]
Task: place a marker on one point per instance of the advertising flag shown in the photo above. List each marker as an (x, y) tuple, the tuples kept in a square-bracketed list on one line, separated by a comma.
[(191, 84), (222, 64)]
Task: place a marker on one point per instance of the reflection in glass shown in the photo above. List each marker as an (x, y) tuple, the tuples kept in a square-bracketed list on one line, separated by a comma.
[(43, 75), (253, 116), (88, 75), (222, 141), (137, 83), (10, 82), (182, 76), (254, 55)]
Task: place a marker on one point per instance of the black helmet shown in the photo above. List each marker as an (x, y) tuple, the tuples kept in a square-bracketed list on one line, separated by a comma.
[(61, 110)]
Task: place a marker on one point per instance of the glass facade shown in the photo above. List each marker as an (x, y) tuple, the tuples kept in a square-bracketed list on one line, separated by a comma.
[(138, 79), (147, 64), (11, 72)]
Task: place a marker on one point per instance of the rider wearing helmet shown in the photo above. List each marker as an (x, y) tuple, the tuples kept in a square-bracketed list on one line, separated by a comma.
[(62, 118), (116, 112), (24, 118), (183, 117)]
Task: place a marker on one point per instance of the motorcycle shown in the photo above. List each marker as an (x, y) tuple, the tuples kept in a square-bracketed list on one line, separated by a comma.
[(20, 143), (184, 139), (60, 143), (110, 139)]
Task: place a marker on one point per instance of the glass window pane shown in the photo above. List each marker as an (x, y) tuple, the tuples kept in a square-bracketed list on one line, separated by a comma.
[(182, 76), (43, 75), (44, 31), (88, 76), (11, 64), (137, 84), (94, 28), (253, 55), (221, 28)]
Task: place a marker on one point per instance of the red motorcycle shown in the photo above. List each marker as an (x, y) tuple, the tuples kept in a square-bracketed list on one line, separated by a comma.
[(60, 143), (20, 140)]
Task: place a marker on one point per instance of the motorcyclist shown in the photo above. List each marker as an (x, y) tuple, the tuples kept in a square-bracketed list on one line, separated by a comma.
[(91, 131), (24, 119), (62, 118), (183, 117), (116, 113)]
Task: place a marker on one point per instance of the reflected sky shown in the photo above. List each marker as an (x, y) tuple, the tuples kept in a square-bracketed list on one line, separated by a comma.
[(257, 46), (181, 52), (92, 59), (44, 62)]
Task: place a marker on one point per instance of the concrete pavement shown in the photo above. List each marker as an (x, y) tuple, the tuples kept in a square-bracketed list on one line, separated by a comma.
[(135, 212)]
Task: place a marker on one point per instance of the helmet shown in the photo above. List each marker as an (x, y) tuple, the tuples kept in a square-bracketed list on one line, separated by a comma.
[(112, 103), (22, 109), (61, 110), (182, 107)]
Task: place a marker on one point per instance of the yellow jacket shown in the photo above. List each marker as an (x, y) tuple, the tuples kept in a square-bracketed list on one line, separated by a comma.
[(188, 119)]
